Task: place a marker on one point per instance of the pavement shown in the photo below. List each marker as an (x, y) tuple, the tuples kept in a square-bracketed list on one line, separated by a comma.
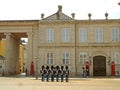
[(30, 83)]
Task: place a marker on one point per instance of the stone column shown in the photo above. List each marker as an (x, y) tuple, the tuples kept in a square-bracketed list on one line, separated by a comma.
[(36, 58), (12, 54), (16, 54), (29, 50), (8, 54)]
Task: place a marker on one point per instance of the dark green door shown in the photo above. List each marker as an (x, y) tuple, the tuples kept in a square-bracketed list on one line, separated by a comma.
[(99, 66)]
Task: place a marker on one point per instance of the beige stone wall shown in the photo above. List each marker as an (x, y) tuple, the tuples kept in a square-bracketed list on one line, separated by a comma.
[(74, 47), (38, 45), (57, 57)]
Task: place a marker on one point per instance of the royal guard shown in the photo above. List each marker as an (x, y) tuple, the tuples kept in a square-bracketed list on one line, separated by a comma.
[(66, 73), (52, 73), (47, 73), (42, 73), (57, 73), (62, 73)]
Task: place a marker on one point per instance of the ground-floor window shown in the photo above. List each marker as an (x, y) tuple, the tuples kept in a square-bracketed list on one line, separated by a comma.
[(83, 57), (49, 58), (65, 57), (116, 57)]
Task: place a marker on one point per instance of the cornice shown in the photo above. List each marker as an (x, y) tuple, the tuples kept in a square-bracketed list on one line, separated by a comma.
[(19, 22), (44, 22), (50, 22), (99, 21)]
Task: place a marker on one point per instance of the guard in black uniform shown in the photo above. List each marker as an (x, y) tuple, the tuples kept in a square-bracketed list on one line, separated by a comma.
[(47, 73), (57, 73), (66, 73), (62, 73), (42, 73), (52, 73)]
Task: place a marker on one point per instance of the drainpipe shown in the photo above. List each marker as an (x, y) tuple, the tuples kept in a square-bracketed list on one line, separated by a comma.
[(75, 52)]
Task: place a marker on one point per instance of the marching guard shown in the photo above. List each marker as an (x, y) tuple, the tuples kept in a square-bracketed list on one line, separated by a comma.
[(62, 73), (42, 73), (66, 73), (52, 73), (47, 73), (57, 73)]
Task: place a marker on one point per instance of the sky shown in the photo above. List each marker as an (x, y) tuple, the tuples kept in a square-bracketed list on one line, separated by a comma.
[(32, 9)]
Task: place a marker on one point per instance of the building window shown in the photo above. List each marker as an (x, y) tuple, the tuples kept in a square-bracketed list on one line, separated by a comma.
[(116, 57), (115, 34), (65, 35), (83, 57), (83, 35), (65, 58), (50, 35), (99, 35), (49, 58)]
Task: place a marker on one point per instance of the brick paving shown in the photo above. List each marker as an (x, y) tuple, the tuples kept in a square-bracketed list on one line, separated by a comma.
[(23, 83)]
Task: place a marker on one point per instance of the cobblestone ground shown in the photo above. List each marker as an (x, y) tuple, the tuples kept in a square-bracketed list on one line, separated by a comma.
[(7, 83)]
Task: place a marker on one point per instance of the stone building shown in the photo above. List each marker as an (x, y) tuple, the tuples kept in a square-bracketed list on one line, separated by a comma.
[(61, 40)]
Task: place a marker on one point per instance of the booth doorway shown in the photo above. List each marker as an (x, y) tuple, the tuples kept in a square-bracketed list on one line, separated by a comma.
[(99, 66)]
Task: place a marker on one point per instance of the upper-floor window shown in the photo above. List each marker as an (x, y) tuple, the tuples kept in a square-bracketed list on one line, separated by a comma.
[(83, 57), (115, 34), (65, 57), (50, 58), (65, 35), (99, 35), (50, 35), (82, 35)]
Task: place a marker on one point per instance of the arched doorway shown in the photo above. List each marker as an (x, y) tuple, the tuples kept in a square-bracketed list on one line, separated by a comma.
[(99, 66)]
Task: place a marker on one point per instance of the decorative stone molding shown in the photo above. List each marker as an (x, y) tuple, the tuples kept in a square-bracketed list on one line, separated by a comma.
[(106, 15), (73, 15), (42, 16), (89, 15)]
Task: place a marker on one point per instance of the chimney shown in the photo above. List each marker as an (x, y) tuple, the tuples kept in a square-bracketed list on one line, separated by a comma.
[(59, 8)]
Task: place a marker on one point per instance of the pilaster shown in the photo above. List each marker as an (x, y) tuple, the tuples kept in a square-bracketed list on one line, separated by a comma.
[(30, 49)]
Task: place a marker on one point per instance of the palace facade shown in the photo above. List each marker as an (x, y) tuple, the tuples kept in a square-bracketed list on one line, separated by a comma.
[(61, 40)]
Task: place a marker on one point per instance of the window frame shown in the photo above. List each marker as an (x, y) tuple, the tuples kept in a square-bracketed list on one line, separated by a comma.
[(99, 35), (50, 35), (50, 58), (115, 34), (65, 35), (65, 58), (82, 35)]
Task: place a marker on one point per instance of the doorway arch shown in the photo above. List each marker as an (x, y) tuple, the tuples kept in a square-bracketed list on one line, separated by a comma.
[(99, 66)]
